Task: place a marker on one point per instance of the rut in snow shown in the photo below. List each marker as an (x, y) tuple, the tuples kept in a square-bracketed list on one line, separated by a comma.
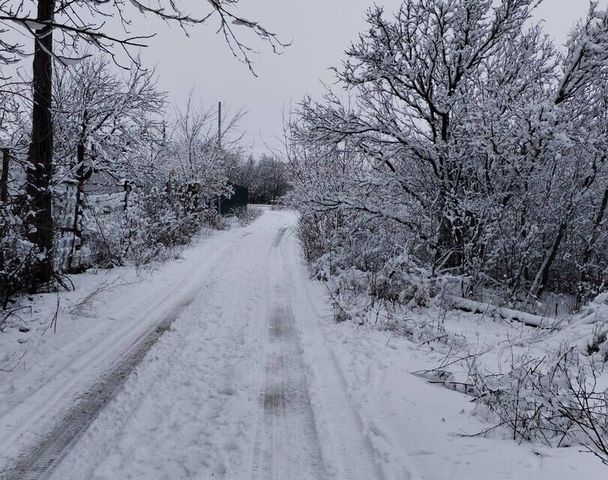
[(287, 443), (39, 462)]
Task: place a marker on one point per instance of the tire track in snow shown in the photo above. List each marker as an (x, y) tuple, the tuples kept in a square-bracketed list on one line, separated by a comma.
[(189, 412), (38, 462), (346, 446), (94, 354), (287, 443)]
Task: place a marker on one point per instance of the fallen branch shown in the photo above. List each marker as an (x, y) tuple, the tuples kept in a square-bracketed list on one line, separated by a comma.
[(54, 320), (506, 313)]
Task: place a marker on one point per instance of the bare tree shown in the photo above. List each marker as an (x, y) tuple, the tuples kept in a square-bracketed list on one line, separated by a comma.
[(265, 177)]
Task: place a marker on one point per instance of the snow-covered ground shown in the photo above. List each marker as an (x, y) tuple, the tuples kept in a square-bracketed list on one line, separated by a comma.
[(253, 379)]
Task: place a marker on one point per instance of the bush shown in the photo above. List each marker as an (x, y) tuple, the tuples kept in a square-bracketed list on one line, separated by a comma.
[(556, 400), (161, 221), (17, 256), (369, 272)]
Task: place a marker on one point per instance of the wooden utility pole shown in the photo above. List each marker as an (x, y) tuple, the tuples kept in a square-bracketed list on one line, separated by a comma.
[(219, 146), (219, 124), (4, 179)]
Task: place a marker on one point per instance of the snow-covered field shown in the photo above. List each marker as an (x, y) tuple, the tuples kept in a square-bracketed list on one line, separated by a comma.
[(253, 379)]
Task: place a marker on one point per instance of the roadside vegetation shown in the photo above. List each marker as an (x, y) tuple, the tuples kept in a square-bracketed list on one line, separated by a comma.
[(459, 165), (98, 167)]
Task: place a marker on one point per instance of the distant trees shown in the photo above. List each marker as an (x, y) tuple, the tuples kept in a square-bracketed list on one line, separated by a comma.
[(266, 177), (463, 128)]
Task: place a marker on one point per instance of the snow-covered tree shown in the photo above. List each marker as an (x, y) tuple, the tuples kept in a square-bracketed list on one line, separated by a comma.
[(466, 128), (115, 119), (195, 155)]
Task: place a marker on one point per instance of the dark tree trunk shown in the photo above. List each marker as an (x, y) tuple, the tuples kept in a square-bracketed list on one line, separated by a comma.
[(78, 213), (540, 281), (4, 202), (39, 220), (597, 225), (6, 155)]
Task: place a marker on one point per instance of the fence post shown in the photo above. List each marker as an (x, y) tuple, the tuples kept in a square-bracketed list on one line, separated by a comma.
[(4, 179)]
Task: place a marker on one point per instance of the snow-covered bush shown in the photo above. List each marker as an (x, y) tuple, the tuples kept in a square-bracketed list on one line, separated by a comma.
[(370, 278), (17, 255), (558, 400), (159, 221)]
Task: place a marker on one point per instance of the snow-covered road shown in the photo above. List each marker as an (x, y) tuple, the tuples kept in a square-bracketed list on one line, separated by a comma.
[(225, 392), (248, 377)]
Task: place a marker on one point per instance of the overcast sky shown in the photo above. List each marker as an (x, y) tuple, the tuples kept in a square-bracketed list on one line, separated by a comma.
[(319, 30)]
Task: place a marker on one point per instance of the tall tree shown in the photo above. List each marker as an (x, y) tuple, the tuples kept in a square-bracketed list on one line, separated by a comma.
[(39, 218)]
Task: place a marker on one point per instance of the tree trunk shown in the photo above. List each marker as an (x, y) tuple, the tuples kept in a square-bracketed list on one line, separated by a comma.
[(4, 179), (78, 213), (540, 281), (39, 220), (597, 224), (4, 202)]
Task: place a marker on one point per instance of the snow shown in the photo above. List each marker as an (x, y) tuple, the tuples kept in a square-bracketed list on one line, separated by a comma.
[(34, 25), (506, 313), (422, 429), (57, 368), (70, 61), (196, 406)]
